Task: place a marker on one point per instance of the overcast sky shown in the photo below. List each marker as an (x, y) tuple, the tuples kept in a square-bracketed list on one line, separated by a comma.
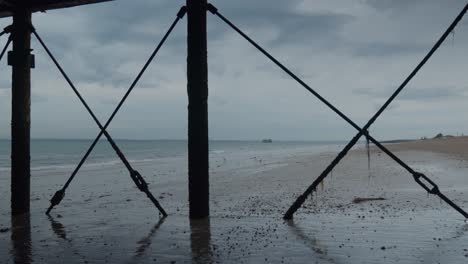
[(354, 53)]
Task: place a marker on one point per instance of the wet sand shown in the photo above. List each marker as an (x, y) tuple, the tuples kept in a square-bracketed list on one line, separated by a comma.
[(104, 219), (456, 146)]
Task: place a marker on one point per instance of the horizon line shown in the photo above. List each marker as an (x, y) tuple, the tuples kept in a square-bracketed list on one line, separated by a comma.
[(179, 139)]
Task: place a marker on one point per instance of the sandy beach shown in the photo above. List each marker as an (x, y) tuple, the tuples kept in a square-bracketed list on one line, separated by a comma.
[(109, 221)]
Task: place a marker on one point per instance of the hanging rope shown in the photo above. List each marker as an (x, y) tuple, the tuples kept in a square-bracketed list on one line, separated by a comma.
[(301, 199), (369, 174), (135, 175), (368, 151)]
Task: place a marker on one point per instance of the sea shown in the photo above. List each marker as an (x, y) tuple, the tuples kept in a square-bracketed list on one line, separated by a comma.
[(162, 163), (63, 155)]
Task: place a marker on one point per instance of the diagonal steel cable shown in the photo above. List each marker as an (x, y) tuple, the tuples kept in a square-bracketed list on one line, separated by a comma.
[(135, 175), (6, 30), (5, 47), (362, 131)]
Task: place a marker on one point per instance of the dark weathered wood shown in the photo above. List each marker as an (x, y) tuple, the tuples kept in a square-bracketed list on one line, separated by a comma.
[(200, 240), (6, 6), (21, 112), (197, 89), (21, 245)]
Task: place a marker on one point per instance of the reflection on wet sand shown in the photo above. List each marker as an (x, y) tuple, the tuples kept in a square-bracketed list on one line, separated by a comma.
[(58, 229), (200, 240), (312, 242), (21, 238), (145, 242)]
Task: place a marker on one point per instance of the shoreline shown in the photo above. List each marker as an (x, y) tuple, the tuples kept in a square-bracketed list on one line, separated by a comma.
[(453, 146), (105, 219)]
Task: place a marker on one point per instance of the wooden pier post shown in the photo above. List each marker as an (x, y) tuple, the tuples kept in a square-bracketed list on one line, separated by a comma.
[(197, 89), (21, 61)]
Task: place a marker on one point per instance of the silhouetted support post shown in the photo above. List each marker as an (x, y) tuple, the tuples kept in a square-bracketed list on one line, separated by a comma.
[(197, 89), (21, 61)]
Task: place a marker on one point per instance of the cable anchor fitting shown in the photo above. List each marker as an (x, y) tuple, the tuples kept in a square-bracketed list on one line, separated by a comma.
[(212, 8), (139, 181), (8, 29), (182, 12), (434, 189), (56, 199)]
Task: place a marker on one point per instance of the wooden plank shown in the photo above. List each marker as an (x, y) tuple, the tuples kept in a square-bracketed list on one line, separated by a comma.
[(6, 6)]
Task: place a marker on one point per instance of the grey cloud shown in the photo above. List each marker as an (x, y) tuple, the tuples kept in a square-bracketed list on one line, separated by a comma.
[(292, 26), (158, 82), (394, 105), (218, 69), (384, 5), (298, 71), (38, 98), (317, 29), (408, 5), (122, 20), (406, 20), (106, 44), (387, 49), (90, 66), (414, 9), (219, 101), (125, 22), (433, 93), (109, 101), (416, 93), (110, 34)]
